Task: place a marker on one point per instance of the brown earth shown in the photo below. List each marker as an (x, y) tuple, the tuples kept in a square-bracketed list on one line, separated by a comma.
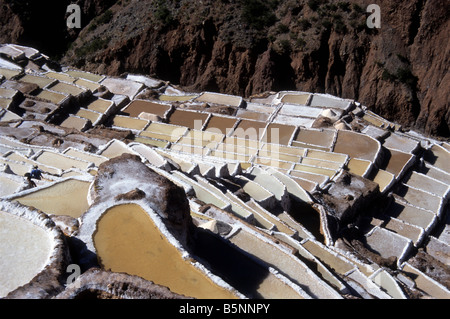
[(432, 267), (40, 133), (346, 200), (400, 71), (100, 284)]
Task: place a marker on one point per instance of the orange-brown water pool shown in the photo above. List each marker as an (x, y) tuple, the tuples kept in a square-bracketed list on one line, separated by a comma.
[(127, 240)]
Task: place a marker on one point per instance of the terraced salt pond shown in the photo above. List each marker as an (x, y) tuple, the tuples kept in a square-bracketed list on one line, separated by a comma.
[(17, 168), (357, 145), (87, 84), (329, 101), (88, 157), (25, 249), (85, 75), (218, 98), (122, 86), (9, 185), (251, 115), (248, 129), (60, 77), (60, 161), (4, 103), (359, 167), (94, 117), (99, 105), (14, 156), (129, 122), (7, 93), (190, 119), (295, 98), (166, 129), (136, 107), (176, 98), (127, 240), (220, 124), (301, 111), (398, 162), (38, 80), (67, 198), (66, 88), (115, 148), (75, 122), (53, 97), (8, 73), (439, 158), (278, 134), (291, 266), (322, 138)]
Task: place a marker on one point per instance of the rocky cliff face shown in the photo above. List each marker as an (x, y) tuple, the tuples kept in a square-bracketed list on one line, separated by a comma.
[(246, 47)]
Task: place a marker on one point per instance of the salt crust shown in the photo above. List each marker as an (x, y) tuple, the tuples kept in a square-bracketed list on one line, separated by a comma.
[(43, 221)]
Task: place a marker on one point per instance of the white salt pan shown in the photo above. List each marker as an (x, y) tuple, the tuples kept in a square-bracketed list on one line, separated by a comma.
[(25, 249)]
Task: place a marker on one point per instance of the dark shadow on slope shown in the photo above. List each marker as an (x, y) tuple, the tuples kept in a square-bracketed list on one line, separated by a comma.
[(230, 263), (308, 217), (81, 255)]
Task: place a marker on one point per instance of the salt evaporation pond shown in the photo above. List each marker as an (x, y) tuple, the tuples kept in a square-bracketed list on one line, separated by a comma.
[(136, 107), (65, 198), (25, 249), (127, 240), (190, 119)]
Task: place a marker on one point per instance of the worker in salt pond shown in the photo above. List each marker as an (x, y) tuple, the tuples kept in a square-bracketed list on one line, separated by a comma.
[(30, 182), (36, 173)]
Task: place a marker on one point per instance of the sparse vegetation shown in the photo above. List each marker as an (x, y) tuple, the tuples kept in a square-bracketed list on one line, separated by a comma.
[(330, 7), (357, 8), (314, 4), (387, 76), (103, 19), (95, 45), (403, 75), (300, 43), (340, 17), (304, 24), (259, 14), (282, 28), (402, 58), (106, 17), (340, 27), (344, 6), (163, 13), (327, 24), (283, 46)]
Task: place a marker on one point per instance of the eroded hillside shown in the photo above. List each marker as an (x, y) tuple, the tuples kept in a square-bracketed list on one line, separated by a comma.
[(244, 47)]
